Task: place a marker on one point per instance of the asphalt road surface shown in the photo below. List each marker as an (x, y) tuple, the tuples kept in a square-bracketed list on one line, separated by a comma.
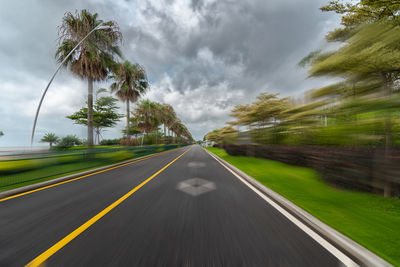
[(191, 212)]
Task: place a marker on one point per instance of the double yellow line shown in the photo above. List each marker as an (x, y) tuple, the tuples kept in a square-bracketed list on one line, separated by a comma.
[(60, 244), (80, 177)]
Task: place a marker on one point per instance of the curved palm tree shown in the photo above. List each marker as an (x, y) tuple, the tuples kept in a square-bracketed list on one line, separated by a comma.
[(94, 57), (130, 83)]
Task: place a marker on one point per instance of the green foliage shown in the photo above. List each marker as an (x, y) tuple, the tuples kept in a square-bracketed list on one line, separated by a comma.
[(110, 142), (360, 13), (114, 156), (224, 135), (1, 133), (95, 56), (23, 165), (21, 172), (96, 51), (130, 82), (360, 109), (373, 50), (310, 57), (149, 116), (105, 114), (133, 128), (68, 142), (50, 138)]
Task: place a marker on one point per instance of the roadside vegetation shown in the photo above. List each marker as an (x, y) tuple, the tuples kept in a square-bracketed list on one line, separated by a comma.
[(371, 220), (335, 152), (22, 170), (357, 117), (97, 58)]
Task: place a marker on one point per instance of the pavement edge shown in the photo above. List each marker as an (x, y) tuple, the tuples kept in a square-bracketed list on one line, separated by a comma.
[(354, 250)]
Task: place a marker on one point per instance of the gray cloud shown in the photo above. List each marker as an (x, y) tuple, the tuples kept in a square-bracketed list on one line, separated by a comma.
[(202, 56)]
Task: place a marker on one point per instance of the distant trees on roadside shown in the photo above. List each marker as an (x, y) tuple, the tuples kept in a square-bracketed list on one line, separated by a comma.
[(362, 108), (130, 82), (149, 116)]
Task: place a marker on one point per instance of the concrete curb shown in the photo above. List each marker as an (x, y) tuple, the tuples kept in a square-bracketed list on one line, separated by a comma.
[(358, 253), (26, 188)]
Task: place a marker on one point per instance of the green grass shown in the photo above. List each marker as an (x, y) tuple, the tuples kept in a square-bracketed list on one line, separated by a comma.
[(371, 220), (59, 169), (48, 173)]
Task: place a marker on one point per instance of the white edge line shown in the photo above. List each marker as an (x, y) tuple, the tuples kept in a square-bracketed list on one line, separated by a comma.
[(325, 244)]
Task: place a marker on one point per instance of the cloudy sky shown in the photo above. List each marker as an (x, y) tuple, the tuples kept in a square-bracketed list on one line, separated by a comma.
[(202, 56)]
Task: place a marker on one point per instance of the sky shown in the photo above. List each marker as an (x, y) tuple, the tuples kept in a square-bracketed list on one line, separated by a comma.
[(203, 57)]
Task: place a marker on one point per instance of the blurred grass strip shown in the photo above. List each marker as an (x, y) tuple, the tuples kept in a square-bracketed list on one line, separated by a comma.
[(20, 172), (371, 220)]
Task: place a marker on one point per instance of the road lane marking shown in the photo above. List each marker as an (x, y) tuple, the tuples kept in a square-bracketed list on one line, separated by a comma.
[(320, 240), (80, 177), (60, 244)]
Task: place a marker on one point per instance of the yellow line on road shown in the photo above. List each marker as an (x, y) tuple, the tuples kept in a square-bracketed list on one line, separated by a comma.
[(80, 177), (60, 244)]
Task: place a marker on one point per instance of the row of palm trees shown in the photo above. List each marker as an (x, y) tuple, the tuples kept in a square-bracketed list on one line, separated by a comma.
[(149, 116), (96, 59)]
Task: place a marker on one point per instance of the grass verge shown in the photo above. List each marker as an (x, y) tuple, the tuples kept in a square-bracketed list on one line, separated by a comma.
[(371, 220), (45, 173)]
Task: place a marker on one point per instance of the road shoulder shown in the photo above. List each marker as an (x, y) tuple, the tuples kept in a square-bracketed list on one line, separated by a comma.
[(352, 249)]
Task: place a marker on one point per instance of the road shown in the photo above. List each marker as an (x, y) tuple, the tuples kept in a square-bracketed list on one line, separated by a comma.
[(180, 208)]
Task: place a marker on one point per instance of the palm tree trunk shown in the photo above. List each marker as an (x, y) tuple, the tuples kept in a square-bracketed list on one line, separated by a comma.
[(90, 113), (128, 136), (165, 134), (97, 136)]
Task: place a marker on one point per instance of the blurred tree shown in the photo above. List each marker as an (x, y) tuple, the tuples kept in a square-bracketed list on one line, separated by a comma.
[(361, 13)]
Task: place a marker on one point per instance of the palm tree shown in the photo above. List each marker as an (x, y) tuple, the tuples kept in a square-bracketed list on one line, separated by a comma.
[(50, 138), (130, 81), (170, 117), (94, 57), (146, 112)]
